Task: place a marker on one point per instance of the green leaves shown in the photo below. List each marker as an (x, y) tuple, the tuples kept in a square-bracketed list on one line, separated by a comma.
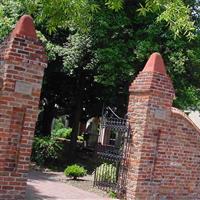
[(9, 13), (80, 13), (66, 13), (76, 49), (113, 46), (75, 171), (178, 60), (62, 13), (107, 172), (114, 4), (177, 16), (174, 13), (45, 150)]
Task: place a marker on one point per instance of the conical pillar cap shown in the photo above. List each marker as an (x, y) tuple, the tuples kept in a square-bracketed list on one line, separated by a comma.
[(155, 64), (25, 26)]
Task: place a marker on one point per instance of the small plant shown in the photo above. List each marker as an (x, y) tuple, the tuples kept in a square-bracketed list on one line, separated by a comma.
[(75, 171), (107, 172), (112, 194), (58, 124), (62, 133), (45, 150)]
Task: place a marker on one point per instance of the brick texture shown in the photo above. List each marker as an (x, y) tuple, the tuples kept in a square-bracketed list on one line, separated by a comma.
[(22, 62), (164, 151)]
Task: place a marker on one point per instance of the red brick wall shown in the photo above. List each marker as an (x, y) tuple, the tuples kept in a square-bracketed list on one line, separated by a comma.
[(22, 62), (163, 160)]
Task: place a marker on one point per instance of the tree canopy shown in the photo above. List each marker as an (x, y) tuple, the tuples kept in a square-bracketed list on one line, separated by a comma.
[(178, 14), (95, 48)]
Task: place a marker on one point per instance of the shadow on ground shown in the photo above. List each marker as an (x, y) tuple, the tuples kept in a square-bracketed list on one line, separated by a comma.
[(51, 186), (34, 194)]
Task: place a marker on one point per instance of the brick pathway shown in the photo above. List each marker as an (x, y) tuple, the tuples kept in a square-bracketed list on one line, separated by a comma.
[(46, 187)]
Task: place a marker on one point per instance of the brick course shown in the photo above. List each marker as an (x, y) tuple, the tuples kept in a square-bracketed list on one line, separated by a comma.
[(22, 62), (163, 160)]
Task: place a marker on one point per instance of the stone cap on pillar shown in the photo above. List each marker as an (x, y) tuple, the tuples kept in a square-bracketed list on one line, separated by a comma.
[(155, 64), (28, 48), (154, 81), (25, 27)]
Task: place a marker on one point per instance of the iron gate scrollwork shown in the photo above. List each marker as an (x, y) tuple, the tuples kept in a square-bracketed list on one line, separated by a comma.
[(111, 151)]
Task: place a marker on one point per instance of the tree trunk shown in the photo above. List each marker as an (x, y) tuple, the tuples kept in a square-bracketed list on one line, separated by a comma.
[(75, 128), (77, 115)]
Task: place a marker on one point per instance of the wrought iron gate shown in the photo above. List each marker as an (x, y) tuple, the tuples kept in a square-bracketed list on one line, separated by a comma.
[(111, 151)]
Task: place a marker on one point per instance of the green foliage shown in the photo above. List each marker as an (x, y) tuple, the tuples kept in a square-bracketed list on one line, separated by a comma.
[(80, 13), (58, 124), (112, 194), (180, 56), (175, 13), (75, 51), (66, 13), (114, 4), (118, 46), (107, 172), (59, 130), (106, 43), (9, 12), (75, 171), (45, 150), (62, 133)]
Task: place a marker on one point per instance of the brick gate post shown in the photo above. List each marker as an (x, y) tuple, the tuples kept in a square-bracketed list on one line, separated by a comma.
[(22, 62), (149, 110)]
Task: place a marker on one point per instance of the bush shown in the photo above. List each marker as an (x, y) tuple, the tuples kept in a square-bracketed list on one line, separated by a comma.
[(107, 172), (62, 133), (58, 124), (75, 171), (112, 194), (45, 149)]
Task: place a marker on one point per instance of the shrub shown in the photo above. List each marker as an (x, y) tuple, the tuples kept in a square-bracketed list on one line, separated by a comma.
[(107, 172), (112, 194), (45, 149), (62, 133), (58, 124), (75, 171)]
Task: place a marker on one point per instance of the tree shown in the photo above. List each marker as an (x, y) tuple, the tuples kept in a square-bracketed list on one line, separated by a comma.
[(79, 13), (113, 56), (97, 49)]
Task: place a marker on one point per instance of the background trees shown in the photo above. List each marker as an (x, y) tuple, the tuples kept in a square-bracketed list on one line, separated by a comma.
[(95, 48)]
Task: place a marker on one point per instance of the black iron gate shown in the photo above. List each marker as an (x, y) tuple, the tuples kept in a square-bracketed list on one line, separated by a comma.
[(111, 151)]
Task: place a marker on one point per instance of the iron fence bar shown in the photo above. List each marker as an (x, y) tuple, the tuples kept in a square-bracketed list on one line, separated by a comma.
[(111, 156)]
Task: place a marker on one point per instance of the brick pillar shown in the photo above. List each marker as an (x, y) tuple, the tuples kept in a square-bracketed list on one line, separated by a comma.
[(149, 110), (23, 60)]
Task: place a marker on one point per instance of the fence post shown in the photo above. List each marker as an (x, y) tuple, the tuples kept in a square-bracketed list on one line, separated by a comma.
[(150, 101), (22, 63)]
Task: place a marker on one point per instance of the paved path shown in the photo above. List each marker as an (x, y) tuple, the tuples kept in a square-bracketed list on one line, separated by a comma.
[(46, 187)]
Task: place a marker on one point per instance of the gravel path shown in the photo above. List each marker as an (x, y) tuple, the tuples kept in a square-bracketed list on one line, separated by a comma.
[(55, 186)]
